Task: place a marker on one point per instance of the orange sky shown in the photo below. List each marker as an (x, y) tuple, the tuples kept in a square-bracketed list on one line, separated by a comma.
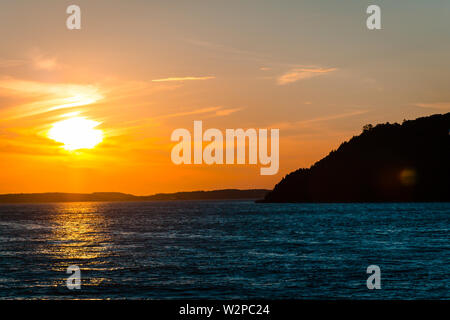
[(145, 68)]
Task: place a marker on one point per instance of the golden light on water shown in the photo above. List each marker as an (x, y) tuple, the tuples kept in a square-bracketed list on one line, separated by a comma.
[(79, 231), (76, 133)]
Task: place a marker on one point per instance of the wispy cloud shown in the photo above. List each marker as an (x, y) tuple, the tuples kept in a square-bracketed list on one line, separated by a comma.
[(226, 112), (436, 105), (46, 97), (229, 51), (43, 61), (183, 79), (297, 124), (10, 63), (188, 113), (297, 74), (215, 111), (206, 113), (35, 59), (334, 116)]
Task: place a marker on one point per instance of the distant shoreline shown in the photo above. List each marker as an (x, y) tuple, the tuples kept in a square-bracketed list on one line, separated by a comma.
[(49, 197)]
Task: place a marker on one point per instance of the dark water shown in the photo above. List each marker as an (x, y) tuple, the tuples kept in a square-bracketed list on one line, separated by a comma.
[(223, 250)]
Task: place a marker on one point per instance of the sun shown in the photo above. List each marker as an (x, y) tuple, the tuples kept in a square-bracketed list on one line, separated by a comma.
[(76, 133)]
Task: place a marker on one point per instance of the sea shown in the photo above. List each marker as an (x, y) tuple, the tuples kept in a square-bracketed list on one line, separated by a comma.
[(224, 250)]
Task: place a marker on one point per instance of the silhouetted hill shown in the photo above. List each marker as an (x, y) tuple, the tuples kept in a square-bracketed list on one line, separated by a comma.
[(228, 194), (388, 162)]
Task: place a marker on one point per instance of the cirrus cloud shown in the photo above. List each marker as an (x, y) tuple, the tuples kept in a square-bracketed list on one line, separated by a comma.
[(436, 105), (297, 74), (183, 79)]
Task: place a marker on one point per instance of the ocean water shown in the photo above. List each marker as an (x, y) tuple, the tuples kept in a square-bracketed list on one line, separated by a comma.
[(224, 250)]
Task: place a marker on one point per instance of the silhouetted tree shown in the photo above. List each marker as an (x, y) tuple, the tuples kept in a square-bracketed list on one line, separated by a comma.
[(367, 127)]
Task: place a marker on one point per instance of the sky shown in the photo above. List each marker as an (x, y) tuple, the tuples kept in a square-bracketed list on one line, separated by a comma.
[(138, 70)]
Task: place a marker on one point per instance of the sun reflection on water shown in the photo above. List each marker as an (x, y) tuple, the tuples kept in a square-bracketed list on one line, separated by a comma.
[(79, 232)]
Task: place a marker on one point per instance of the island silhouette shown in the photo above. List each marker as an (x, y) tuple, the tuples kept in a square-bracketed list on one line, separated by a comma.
[(226, 194), (408, 162)]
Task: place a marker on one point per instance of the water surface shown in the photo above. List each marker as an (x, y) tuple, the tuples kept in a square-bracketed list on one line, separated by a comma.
[(224, 250)]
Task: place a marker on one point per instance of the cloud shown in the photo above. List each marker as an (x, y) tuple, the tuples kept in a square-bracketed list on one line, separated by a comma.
[(188, 113), (297, 124), (436, 105), (216, 111), (226, 112), (183, 79), (36, 59), (297, 74), (334, 116), (10, 63), (46, 97), (228, 51), (45, 63)]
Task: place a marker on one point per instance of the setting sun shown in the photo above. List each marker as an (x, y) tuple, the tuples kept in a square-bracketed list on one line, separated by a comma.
[(76, 133)]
